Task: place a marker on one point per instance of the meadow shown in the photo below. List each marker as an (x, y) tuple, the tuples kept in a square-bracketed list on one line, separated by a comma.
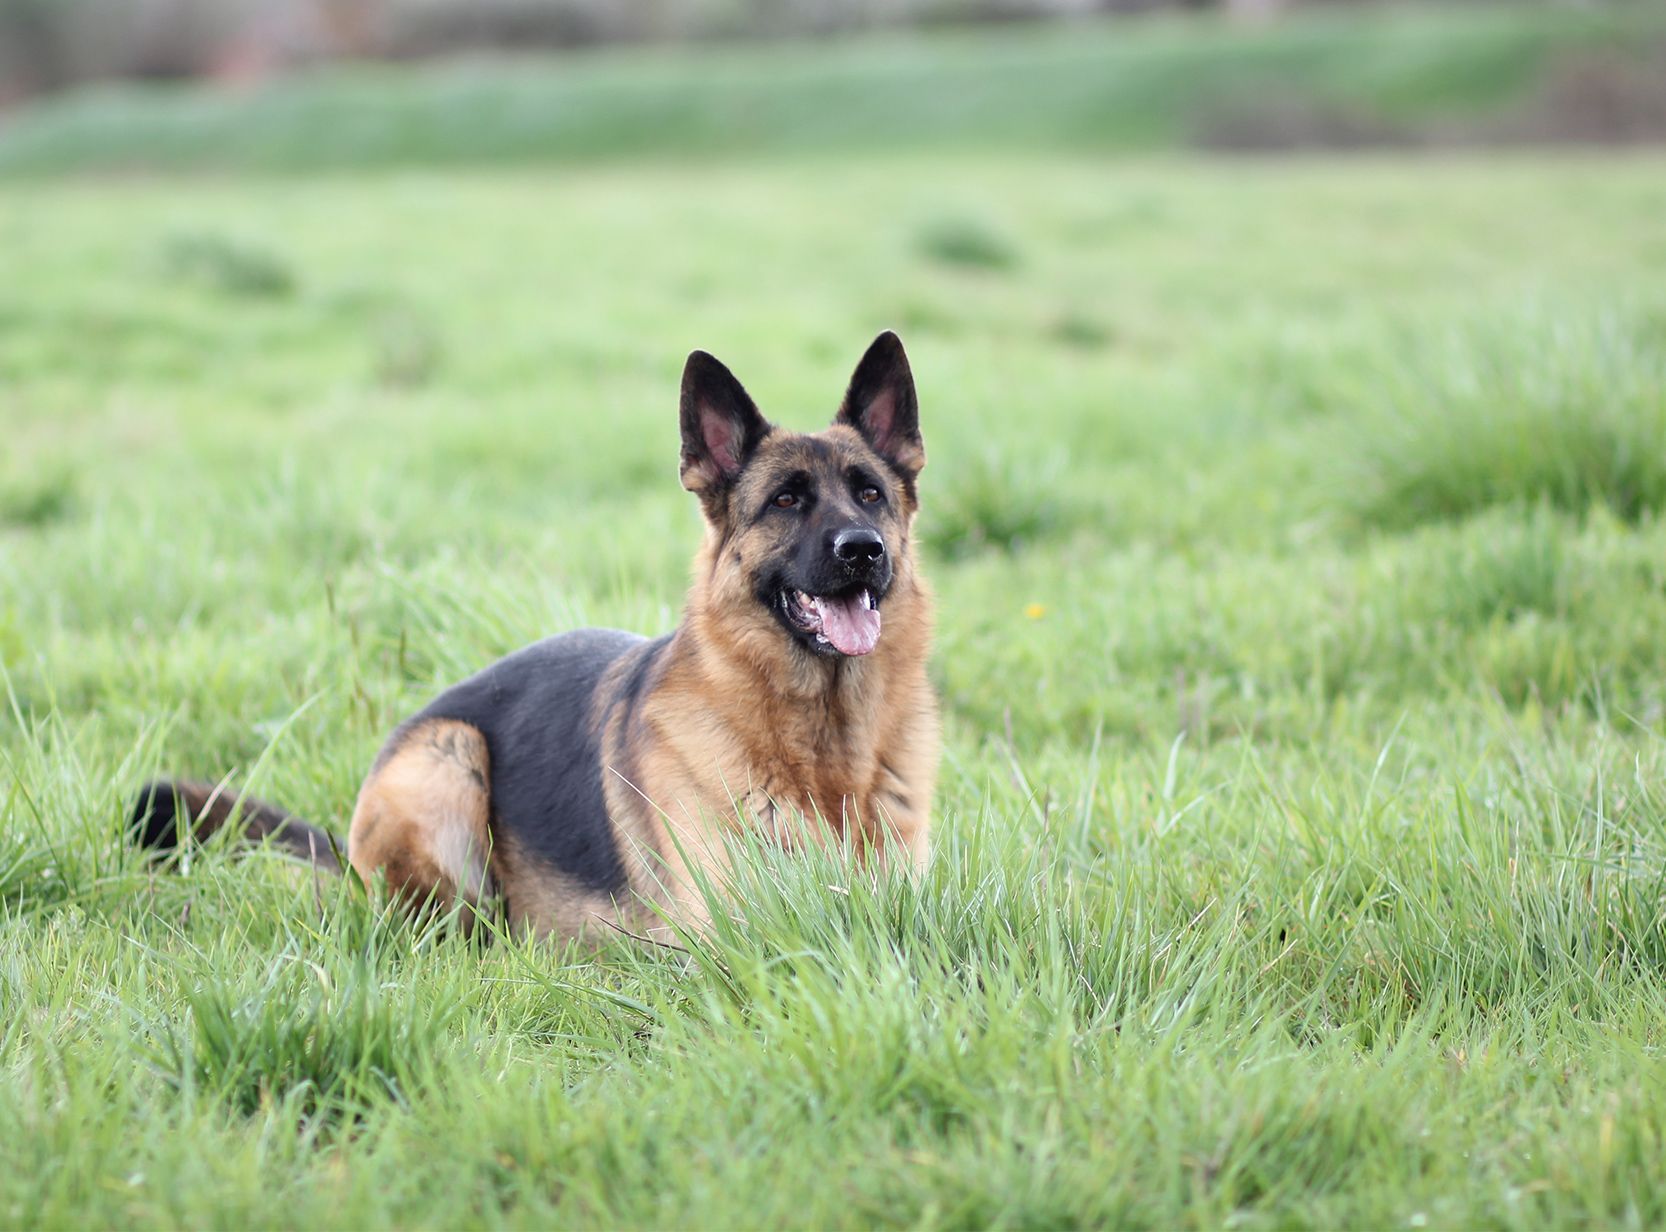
[(1297, 529)]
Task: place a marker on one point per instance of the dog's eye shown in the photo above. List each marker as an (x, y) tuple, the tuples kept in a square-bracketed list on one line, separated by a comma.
[(785, 500), (868, 495)]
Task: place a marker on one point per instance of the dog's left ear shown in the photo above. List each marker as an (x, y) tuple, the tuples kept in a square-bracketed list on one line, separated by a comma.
[(880, 404), (721, 427)]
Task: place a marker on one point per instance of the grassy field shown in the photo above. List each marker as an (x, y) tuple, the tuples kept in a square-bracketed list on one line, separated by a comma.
[(1298, 533)]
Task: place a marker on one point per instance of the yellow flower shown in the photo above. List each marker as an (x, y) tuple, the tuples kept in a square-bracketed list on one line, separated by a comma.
[(1035, 611)]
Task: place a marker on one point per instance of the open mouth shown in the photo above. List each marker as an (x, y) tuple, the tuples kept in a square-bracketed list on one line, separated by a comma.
[(848, 624)]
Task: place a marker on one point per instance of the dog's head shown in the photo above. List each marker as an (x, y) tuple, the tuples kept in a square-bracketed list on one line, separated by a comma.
[(809, 531)]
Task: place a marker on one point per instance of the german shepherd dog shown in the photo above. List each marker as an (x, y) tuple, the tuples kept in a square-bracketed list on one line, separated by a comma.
[(587, 780)]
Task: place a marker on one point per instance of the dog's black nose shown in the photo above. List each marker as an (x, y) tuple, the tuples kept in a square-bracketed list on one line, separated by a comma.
[(857, 545)]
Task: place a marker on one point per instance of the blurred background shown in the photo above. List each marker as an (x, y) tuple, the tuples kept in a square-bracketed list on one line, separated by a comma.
[(1108, 73)]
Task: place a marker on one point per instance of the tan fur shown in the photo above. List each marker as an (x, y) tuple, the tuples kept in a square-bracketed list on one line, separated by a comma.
[(544, 903), (421, 821)]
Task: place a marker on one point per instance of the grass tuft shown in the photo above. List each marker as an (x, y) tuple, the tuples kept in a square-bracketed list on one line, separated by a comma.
[(237, 268), (996, 500), (326, 1045), (1557, 410), (407, 351), (37, 499), (968, 241), (1082, 331)]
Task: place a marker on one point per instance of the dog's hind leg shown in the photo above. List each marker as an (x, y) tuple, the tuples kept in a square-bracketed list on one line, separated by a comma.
[(422, 819)]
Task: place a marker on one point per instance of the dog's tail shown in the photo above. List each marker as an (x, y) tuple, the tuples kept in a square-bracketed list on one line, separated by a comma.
[(168, 813)]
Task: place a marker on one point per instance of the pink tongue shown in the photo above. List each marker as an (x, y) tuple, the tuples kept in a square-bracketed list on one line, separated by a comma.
[(852, 628)]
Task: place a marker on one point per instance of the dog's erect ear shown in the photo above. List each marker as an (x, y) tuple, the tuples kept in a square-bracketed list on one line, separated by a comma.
[(721, 426), (880, 404)]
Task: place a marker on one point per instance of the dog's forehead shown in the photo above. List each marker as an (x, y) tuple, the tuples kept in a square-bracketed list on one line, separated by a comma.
[(831, 451)]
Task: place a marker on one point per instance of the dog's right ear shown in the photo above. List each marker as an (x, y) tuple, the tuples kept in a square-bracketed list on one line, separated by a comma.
[(721, 427)]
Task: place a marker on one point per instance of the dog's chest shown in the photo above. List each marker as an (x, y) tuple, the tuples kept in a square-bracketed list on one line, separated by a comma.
[(835, 775)]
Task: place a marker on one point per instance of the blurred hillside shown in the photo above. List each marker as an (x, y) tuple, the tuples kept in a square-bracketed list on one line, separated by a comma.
[(1317, 79), (50, 44)]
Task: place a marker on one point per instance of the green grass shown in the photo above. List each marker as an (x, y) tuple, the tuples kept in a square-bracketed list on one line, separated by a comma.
[(1298, 537), (1402, 74)]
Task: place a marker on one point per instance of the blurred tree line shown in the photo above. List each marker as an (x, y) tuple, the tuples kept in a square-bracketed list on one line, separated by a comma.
[(49, 44)]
